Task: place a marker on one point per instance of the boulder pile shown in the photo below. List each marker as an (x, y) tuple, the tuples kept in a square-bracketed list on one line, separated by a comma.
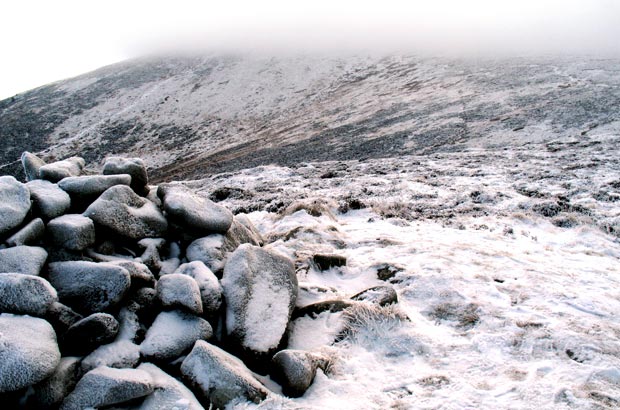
[(115, 293)]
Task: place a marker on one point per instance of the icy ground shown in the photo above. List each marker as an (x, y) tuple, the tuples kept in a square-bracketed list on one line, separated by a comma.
[(509, 292)]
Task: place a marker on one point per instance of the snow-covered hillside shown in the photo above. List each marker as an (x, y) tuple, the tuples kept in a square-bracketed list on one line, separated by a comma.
[(188, 116)]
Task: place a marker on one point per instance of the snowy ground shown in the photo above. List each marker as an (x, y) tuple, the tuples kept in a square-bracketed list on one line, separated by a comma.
[(509, 291)]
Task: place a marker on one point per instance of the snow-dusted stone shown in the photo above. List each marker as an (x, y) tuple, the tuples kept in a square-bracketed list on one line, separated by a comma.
[(173, 334), (140, 274), (28, 351), (295, 370), (14, 203), (122, 211), (260, 289), (29, 234), (143, 302), (169, 266), (324, 262), (219, 376), (132, 166), (89, 286), (55, 171), (73, 231), (130, 326), (48, 200), (105, 386), (179, 291), (32, 165), (169, 392), (150, 254), (50, 392), (315, 309), (25, 294), (209, 285), (61, 317), (378, 295), (89, 333), (194, 212), (254, 236), (119, 354), (23, 259), (86, 188)]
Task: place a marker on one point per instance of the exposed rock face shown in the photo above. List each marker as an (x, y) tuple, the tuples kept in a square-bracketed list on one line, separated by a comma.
[(296, 369), (126, 214), (29, 351), (219, 376), (260, 287), (92, 331), (193, 212), (132, 166), (173, 334), (49, 201), (70, 167), (119, 354), (86, 188), (23, 259), (324, 262), (74, 232), (105, 386), (32, 165), (29, 234), (88, 286), (50, 392), (14, 203), (25, 294)]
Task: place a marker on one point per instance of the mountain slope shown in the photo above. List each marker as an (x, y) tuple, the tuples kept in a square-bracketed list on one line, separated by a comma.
[(192, 116)]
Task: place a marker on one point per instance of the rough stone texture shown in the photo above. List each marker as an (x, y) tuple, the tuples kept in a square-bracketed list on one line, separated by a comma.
[(89, 333), (213, 250), (324, 262), (25, 294), (125, 213), (173, 334), (194, 212), (29, 234), (14, 204), (219, 376), (132, 166), (130, 326), (295, 370), (29, 352), (378, 295), (86, 188), (256, 237), (89, 286), (23, 259), (210, 288), (105, 386), (179, 291), (61, 317), (260, 289), (169, 392), (49, 393), (119, 354), (150, 255), (140, 274), (73, 231), (32, 165), (314, 309), (48, 200), (70, 167)]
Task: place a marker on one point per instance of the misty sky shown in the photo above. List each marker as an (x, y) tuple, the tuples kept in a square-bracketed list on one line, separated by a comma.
[(45, 41)]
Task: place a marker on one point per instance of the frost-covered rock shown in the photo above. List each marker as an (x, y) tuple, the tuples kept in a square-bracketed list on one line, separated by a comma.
[(140, 274), (105, 386), (48, 200), (23, 259), (55, 171), (150, 252), (119, 354), (86, 188), (255, 238), (295, 370), (49, 393), (32, 165), (132, 166), (86, 334), (179, 291), (378, 295), (169, 392), (194, 212), (173, 334), (14, 203), (122, 211), (29, 234), (89, 286), (260, 289), (209, 285), (219, 376), (61, 317), (25, 294), (73, 231), (130, 327), (213, 250), (28, 351)]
